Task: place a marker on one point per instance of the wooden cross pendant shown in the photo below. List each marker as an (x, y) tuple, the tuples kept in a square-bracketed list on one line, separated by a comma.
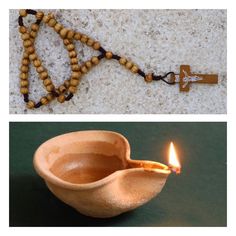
[(185, 78)]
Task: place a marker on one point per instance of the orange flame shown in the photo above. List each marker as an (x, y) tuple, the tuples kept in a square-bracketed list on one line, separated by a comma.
[(173, 160)]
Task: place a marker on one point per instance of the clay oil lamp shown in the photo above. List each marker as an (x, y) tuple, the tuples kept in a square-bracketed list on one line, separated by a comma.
[(92, 172)]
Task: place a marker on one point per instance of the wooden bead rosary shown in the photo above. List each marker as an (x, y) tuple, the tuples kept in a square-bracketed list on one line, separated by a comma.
[(65, 91)]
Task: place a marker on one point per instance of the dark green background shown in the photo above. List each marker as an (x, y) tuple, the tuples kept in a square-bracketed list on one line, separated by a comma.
[(196, 197)]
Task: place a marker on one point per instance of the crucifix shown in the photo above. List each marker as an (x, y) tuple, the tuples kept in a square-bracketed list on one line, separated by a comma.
[(186, 77)]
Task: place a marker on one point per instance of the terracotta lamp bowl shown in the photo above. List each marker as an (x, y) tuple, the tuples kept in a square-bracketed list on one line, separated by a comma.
[(92, 172)]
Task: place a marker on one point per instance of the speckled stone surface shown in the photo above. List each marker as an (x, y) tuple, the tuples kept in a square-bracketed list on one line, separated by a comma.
[(157, 40)]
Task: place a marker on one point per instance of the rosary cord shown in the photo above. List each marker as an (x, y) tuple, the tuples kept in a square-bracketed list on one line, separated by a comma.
[(65, 91), (171, 81)]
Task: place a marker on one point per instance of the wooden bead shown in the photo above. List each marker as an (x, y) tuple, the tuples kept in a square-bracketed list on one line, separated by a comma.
[(84, 69), (40, 69), (30, 50), (47, 82), (95, 60), (128, 64), (90, 42), (62, 89), (74, 82), (63, 32), (88, 64), (24, 90), (39, 15), (67, 83), (43, 75), (33, 34), (25, 36), (22, 29), (75, 67), (70, 47), (79, 74), (44, 100), (25, 55), (24, 76), (149, 77), (24, 83), (66, 42), (50, 87), (51, 15), (61, 98), (46, 18), (74, 60), (72, 89), (134, 69), (72, 54), (52, 22), (30, 104), (32, 39), (76, 75), (96, 45), (23, 13), (37, 63), (84, 38), (32, 56), (109, 55), (58, 27), (27, 43), (35, 27), (24, 69), (70, 34), (77, 36), (123, 61), (50, 97), (25, 62)]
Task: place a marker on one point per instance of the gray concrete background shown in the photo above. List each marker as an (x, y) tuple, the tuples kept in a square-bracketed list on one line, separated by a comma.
[(156, 40)]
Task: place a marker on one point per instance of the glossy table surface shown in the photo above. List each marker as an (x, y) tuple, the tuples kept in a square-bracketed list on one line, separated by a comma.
[(196, 197)]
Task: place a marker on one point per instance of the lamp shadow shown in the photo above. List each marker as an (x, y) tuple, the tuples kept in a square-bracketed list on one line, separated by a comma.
[(32, 204)]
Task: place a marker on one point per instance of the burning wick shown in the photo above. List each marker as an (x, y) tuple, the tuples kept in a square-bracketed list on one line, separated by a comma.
[(174, 163)]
